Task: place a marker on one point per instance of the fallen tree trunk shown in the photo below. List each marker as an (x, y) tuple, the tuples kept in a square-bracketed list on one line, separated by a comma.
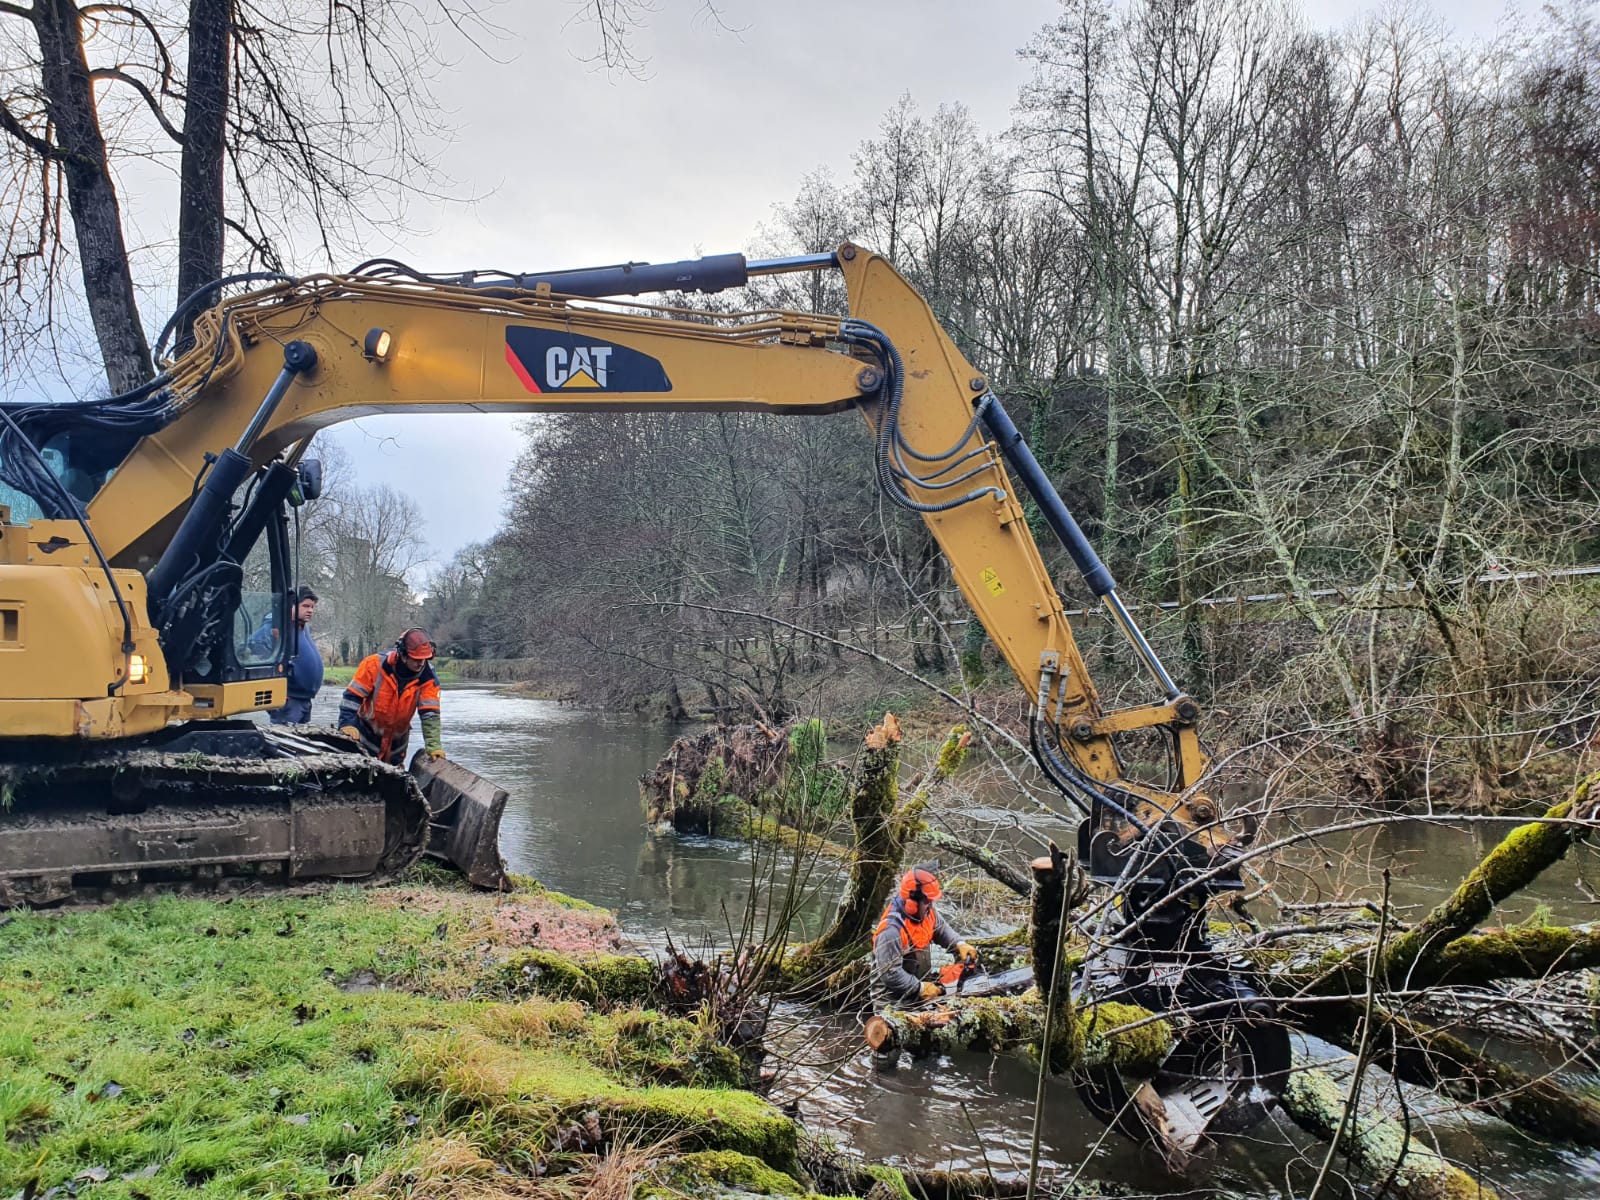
[(1446, 1064), (686, 788), (1553, 1011), (1380, 1152), (1485, 958), (1103, 1035), (835, 1173), (1516, 862), (1412, 1051), (1311, 964)]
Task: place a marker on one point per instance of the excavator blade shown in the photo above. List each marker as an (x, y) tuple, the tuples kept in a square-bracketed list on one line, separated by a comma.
[(205, 806), (464, 811)]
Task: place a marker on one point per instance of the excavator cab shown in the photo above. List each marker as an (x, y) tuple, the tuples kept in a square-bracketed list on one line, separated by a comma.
[(121, 771)]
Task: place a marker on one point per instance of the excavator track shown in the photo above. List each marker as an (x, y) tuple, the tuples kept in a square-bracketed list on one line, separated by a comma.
[(209, 806)]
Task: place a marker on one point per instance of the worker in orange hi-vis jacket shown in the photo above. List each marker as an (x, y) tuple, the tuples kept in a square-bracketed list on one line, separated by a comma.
[(386, 691), (910, 924)]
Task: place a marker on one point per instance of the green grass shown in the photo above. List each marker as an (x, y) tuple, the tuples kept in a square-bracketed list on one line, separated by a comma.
[(242, 1067)]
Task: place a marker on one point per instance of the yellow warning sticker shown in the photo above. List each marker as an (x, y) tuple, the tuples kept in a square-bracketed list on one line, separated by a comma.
[(991, 580)]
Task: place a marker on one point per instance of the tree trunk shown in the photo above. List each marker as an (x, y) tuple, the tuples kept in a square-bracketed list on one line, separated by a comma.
[(1447, 1065), (883, 831), (91, 195), (205, 122), (1052, 875), (880, 844), (1093, 1037), (1378, 1153)]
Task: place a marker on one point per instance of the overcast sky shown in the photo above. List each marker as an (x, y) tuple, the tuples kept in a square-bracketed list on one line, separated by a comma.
[(578, 167)]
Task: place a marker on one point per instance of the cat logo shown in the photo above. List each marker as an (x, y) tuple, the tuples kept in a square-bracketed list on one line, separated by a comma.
[(580, 367), (548, 360)]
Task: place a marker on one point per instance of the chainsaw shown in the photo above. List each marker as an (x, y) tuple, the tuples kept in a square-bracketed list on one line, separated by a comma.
[(970, 979)]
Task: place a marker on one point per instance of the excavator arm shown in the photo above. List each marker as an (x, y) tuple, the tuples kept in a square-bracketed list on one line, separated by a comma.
[(942, 439), (121, 619)]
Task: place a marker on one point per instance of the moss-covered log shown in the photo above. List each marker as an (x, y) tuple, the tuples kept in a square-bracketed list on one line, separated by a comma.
[(835, 1173), (1516, 862), (987, 1023), (1004, 950), (1103, 1035), (1297, 974), (1530, 953), (1319, 964), (1554, 1011), (1377, 1150), (758, 826), (1446, 1064), (906, 1183)]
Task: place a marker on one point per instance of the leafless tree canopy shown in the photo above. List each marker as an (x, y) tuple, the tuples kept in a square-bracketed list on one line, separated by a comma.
[(290, 129)]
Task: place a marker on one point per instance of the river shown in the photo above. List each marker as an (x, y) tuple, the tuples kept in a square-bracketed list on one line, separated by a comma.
[(574, 822)]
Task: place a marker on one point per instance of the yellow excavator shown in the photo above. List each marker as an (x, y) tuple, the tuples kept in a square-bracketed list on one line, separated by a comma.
[(156, 547)]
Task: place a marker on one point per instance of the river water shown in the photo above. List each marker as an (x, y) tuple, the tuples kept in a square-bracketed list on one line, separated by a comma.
[(574, 822)]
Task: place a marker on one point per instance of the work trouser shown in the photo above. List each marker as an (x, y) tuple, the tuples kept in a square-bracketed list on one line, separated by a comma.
[(916, 963), (294, 712)]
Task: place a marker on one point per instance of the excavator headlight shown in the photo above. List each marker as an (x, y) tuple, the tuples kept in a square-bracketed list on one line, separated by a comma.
[(376, 346), (138, 668)]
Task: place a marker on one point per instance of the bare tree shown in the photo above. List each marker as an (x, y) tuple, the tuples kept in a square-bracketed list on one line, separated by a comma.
[(361, 549)]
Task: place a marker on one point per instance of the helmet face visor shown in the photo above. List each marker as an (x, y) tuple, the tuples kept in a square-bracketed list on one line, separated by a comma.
[(416, 644)]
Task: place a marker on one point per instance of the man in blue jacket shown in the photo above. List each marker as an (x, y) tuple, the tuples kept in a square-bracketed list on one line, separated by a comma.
[(305, 668)]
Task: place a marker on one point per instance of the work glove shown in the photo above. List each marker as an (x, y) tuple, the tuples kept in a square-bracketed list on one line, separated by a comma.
[(436, 755), (966, 952), (931, 991), (350, 731)]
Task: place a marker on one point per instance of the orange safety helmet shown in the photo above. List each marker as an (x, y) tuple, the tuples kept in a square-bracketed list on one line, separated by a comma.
[(919, 886), (415, 643)]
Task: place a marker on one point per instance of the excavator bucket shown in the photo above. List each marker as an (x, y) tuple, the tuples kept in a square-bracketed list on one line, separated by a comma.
[(464, 811), (1220, 1078)]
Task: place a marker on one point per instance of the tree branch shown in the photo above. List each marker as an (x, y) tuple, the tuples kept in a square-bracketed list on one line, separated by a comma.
[(11, 125), (154, 105), (1516, 862)]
